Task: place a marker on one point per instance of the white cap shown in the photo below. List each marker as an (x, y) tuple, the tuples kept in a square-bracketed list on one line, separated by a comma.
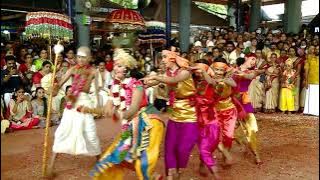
[(198, 44), (210, 44), (258, 31), (247, 44)]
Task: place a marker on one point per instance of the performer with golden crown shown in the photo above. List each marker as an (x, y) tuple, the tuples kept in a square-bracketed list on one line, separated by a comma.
[(138, 145)]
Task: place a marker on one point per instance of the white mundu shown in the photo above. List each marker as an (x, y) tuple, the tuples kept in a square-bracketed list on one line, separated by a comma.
[(76, 134), (311, 105)]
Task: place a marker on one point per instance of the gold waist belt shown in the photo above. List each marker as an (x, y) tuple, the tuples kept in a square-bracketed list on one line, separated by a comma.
[(224, 104)]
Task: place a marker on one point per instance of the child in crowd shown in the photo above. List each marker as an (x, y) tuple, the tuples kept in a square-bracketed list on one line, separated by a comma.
[(287, 88)]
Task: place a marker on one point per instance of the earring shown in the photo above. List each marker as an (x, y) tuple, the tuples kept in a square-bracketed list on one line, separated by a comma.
[(127, 74)]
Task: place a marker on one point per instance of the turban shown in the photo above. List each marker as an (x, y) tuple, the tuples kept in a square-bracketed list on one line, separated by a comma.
[(205, 68), (220, 65), (170, 56)]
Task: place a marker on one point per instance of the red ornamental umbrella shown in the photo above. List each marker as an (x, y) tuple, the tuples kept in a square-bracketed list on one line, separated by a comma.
[(125, 20)]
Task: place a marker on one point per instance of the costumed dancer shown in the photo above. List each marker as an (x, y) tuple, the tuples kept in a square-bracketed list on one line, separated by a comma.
[(226, 108), (248, 127), (76, 134), (138, 145), (287, 88), (182, 127), (208, 125)]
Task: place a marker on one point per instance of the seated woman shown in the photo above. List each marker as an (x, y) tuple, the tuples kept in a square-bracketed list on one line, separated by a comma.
[(20, 112), (36, 78), (39, 106)]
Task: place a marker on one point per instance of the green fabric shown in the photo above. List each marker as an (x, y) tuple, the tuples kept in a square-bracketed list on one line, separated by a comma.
[(38, 64)]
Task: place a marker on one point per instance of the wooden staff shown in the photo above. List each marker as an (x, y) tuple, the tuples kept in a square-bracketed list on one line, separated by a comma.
[(46, 136)]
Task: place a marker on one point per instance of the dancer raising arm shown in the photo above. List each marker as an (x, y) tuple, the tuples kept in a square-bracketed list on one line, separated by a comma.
[(182, 128), (138, 145), (248, 125), (208, 124), (226, 107), (76, 134)]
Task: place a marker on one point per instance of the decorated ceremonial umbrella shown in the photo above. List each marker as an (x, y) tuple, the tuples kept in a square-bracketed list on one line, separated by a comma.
[(48, 25), (125, 20), (51, 26), (155, 35)]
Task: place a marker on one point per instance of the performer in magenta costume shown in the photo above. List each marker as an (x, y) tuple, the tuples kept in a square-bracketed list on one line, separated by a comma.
[(248, 125), (208, 124), (182, 128)]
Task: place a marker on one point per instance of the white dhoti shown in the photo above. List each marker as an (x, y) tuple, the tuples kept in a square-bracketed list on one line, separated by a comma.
[(311, 105), (76, 134)]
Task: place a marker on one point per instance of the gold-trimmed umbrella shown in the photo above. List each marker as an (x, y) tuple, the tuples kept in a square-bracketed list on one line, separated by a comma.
[(125, 20)]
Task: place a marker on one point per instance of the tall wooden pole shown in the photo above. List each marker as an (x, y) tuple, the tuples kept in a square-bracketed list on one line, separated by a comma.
[(46, 135)]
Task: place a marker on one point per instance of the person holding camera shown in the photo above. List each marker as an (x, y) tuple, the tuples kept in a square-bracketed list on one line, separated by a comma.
[(11, 79)]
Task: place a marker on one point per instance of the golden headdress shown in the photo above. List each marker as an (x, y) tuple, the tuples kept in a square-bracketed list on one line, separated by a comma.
[(126, 59)]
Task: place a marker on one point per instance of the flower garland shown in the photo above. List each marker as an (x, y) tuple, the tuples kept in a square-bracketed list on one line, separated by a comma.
[(79, 81), (118, 90)]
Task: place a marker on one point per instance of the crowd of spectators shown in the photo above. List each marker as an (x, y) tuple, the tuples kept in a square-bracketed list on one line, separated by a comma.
[(26, 71)]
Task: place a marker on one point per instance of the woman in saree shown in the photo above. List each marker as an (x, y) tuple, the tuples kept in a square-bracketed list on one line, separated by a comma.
[(20, 109), (297, 64), (138, 145), (272, 85), (256, 88)]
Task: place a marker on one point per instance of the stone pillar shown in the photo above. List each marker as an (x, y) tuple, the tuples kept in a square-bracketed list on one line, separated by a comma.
[(83, 31), (168, 22), (255, 14), (232, 13), (184, 24), (292, 16), (238, 13)]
